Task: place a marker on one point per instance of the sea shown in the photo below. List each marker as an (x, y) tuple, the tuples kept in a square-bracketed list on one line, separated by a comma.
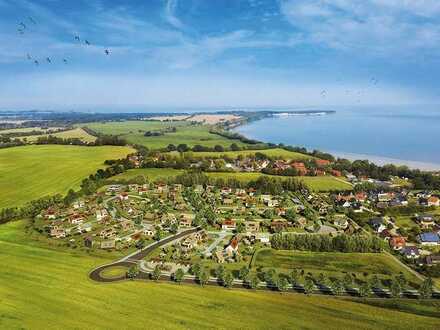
[(407, 135)]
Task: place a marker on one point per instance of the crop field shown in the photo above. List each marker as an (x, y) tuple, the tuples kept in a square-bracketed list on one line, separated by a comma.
[(363, 265), (318, 183), (133, 132), (31, 172), (25, 130), (275, 153), (44, 288), (76, 133)]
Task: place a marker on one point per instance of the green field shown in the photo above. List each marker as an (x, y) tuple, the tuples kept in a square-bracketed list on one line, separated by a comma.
[(25, 130), (333, 263), (275, 153), (31, 172), (43, 288), (77, 133), (318, 183), (151, 174), (133, 132)]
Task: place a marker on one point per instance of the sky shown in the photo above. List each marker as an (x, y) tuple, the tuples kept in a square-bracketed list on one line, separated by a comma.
[(218, 53)]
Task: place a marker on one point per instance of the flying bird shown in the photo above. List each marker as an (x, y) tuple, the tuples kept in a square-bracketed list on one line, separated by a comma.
[(48, 60), (29, 57), (323, 93), (87, 42), (107, 52), (32, 20), (22, 25), (77, 38), (36, 62), (21, 31), (65, 61)]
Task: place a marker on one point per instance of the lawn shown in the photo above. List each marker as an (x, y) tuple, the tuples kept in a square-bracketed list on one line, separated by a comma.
[(77, 133), (42, 288), (31, 172), (318, 183), (151, 174), (332, 263), (275, 153), (133, 132)]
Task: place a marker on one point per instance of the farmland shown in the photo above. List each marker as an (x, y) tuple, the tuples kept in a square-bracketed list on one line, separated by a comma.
[(333, 263), (77, 133), (274, 153), (133, 132), (31, 172), (35, 273), (325, 183)]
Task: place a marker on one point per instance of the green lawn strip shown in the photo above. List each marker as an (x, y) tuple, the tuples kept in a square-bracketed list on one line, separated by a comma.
[(276, 152), (31, 172), (76, 133), (43, 288), (333, 264)]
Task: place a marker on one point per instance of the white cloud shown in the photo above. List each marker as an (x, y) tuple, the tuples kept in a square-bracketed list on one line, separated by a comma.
[(379, 26), (170, 14)]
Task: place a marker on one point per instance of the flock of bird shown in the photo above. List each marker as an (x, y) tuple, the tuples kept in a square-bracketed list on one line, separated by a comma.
[(23, 27)]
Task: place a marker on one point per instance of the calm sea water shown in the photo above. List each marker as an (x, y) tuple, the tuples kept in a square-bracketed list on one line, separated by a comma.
[(399, 135)]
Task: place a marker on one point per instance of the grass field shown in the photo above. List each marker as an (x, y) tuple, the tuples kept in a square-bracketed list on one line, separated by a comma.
[(321, 183), (133, 132), (24, 130), (77, 133), (333, 263), (276, 152), (42, 288), (31, 172)]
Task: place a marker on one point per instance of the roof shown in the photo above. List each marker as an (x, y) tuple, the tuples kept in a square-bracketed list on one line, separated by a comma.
[(429, 237)]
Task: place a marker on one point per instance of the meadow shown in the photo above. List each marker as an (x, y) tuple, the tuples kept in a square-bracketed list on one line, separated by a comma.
[(76, 133), (133, 132), (31, 172), (318, 183), (44, 288), (335, 264), (273, 153)]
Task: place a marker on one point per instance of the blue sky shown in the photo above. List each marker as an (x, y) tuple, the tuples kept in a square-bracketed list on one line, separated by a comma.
[(240, 53)]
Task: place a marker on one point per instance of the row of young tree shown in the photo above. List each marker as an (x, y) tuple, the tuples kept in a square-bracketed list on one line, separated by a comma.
[(112, 140), (325, 243)]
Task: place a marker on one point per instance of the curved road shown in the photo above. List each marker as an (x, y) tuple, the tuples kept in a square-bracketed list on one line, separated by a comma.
[(133, 258)]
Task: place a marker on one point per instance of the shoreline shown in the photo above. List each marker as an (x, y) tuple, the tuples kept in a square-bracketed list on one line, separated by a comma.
[(376, 159)]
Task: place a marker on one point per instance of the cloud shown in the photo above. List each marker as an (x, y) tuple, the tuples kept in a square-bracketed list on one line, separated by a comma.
[(378, 26), (170, 14)]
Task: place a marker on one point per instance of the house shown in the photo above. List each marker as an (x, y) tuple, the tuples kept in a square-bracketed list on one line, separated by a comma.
[(123, 196), (300, 168), (232, 249), (322, 162), (361, 197), (107, 233), (185, 220), (336, 173), (341, 222), (433, 259), (78, 204), (429, 238), (277, 226), (252, 226), (377, 224), (85, 228), (50, 214), (228, 201), (410, 252), (88, 242), (271, 202), (109, 244), (229, 224), (101, 215), (426, 220), (76, 219), (114, 188), (57, 232), (397, 242)]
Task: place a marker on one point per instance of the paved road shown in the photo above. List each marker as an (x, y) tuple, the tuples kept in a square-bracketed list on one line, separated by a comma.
[(133, 258)]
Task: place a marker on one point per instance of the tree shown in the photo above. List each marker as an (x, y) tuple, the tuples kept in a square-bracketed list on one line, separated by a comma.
[(269, 276), (203, 277), (322, 279), (396, 289), (235, 147), (364, 290), (228, 279), (347, 280), (375, 282), (171, 147), (155, 275), (294, 276), (402, 281), (195, 269), (252, 281), (178, 275), (425, 290), (337, 287), (158, 234), (240, 227), (282, 284), (133, 272), (219, 272), (182, 148), (244, 272), (309, 285), (219, 148)]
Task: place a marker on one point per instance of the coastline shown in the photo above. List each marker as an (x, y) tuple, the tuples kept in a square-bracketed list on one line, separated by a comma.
[(376, 159)]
